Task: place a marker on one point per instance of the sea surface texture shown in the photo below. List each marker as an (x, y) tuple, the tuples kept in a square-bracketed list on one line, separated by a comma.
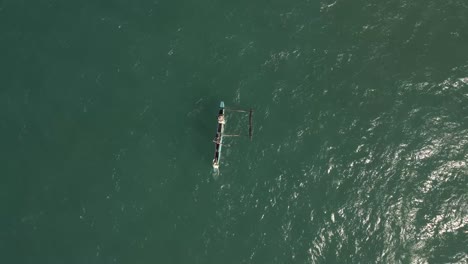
[(108, 114)]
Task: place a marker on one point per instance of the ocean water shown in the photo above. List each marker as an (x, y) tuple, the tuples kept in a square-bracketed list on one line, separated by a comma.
[(108, 111)]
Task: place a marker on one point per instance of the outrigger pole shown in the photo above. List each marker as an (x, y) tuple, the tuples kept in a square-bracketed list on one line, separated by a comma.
[(250, 124), (236, 110)]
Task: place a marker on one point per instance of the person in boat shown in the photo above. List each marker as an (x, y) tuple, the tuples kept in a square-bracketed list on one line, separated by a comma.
[(215, 164), (221, 119), (217, 139)]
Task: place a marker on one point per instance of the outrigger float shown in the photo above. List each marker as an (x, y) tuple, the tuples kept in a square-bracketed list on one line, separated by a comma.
[(220, 132)]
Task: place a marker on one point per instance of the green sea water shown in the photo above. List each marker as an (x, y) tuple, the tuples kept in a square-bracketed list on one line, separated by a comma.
[(108, 112)]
